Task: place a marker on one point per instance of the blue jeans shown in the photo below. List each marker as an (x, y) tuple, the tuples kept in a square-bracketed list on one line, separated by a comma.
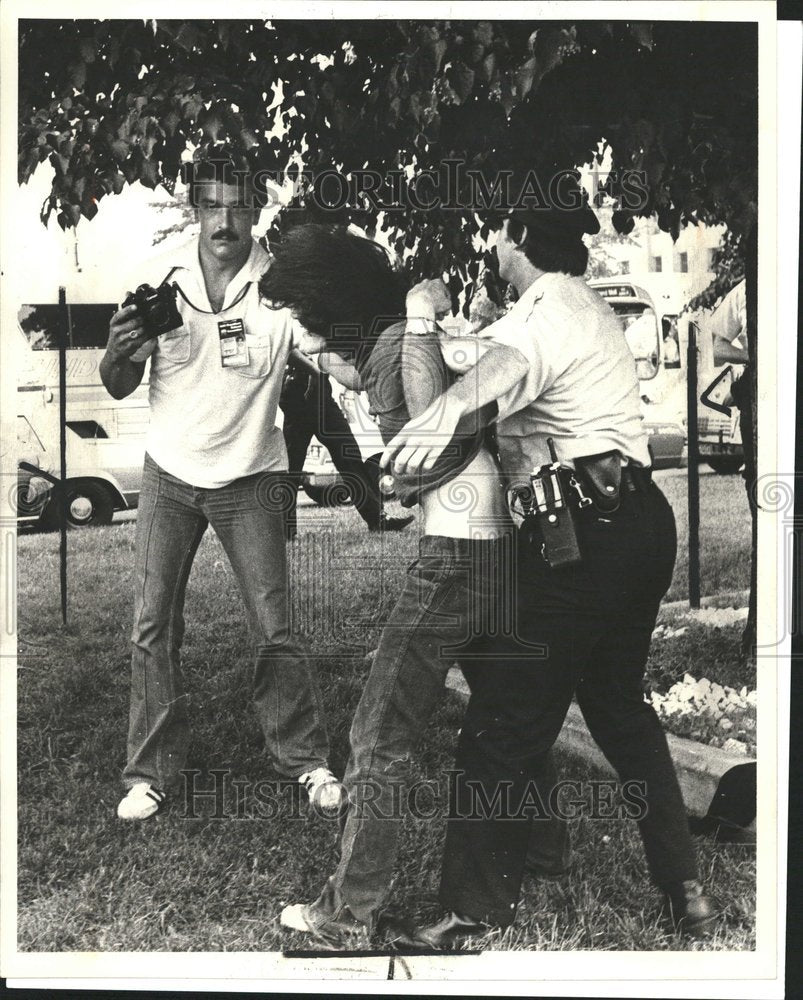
[(248, 518), (448, 609)]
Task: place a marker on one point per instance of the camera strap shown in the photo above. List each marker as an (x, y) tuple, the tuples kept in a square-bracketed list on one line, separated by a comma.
[(206, 312)]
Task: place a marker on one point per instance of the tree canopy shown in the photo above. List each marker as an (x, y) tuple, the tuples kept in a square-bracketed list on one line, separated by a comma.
[(112, 102)]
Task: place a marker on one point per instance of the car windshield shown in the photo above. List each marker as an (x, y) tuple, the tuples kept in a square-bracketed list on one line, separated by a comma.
[(640, 325)]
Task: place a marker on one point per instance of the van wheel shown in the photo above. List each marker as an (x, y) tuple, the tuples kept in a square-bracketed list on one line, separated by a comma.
[(88, 504), (725, 465)]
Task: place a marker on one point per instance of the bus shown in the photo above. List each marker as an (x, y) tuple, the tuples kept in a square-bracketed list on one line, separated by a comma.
[(659, 345)]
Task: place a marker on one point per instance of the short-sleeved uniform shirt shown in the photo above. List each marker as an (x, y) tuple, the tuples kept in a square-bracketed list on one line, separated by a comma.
[(581, 387), (210, 425)]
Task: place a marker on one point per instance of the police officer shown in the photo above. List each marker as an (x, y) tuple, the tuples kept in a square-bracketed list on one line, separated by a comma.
[(559, 367)]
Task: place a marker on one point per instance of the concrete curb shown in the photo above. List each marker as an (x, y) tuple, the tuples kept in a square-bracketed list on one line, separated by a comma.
[(727, 599), (699, 766)]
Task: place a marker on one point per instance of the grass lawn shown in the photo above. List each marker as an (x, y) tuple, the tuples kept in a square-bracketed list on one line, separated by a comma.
[(724, 533), (88, 882)]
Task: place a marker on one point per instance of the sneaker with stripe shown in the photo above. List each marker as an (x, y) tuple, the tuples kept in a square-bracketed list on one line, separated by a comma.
[(141, 802), (324, 790)]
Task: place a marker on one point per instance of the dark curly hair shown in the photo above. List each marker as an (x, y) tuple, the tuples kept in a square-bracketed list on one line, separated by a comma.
[(337, 284)]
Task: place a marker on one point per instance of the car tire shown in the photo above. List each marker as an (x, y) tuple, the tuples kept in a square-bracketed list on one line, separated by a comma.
[(725, 465), (89, 504)]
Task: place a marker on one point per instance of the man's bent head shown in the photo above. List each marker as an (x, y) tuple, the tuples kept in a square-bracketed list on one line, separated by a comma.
[(339, 286)]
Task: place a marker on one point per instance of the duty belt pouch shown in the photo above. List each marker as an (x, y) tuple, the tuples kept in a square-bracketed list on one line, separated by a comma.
[(602, 476)]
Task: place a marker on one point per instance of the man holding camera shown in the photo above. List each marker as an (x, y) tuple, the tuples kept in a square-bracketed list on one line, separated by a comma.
[(595, 554), (214, 456)]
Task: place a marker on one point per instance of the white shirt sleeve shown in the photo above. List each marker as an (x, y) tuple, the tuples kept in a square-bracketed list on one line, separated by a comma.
[(729, 319), (519, 332), (296, 330)]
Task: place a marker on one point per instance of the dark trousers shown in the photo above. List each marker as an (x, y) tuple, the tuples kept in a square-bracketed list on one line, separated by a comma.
[(321, 417), (593, 624)]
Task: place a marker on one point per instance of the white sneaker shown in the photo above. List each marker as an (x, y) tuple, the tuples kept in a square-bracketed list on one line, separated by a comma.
[(323, 789), (142, 801), (294, 919), (343, 931)]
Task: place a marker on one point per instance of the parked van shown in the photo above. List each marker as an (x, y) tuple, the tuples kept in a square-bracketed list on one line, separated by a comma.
[(105, 436)]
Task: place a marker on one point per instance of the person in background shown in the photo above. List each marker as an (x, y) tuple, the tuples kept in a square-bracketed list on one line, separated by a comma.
[(728, 326), (310, 411)]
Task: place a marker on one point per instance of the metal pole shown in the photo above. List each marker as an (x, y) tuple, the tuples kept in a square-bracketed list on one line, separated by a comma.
[(64, 328), (693, 467)]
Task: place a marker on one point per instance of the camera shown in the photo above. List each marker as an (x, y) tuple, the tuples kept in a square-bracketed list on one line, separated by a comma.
[(157, 307)]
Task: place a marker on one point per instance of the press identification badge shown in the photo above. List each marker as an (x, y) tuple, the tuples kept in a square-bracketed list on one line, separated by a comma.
[(233, 348)]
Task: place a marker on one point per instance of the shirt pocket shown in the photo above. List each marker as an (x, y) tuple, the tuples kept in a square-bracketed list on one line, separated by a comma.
[(174, 347), (259, 358)]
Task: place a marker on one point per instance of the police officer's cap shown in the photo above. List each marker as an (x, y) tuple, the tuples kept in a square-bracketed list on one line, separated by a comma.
[(563, 216)]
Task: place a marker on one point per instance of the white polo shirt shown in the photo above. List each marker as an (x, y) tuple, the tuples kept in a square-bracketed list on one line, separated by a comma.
[(210, 425), (581, 388)]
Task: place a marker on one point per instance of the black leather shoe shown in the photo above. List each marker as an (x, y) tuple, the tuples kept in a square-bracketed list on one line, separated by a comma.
[(450, 932), (391, 523), (692, 913)]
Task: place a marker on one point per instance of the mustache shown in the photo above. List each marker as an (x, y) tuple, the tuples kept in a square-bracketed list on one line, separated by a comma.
[(224, 234)]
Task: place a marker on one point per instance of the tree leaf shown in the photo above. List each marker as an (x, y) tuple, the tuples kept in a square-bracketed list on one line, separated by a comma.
[(78, 74), (87, 49), (642, 33), (461, 79)]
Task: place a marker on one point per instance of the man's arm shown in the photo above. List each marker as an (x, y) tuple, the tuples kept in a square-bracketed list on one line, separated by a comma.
[(118, 372), (346, 374), (727, 353), (419, 444), (422, 371)]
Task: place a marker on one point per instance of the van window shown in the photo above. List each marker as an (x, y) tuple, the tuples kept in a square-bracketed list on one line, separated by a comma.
[(40, 324), (88, 325)]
